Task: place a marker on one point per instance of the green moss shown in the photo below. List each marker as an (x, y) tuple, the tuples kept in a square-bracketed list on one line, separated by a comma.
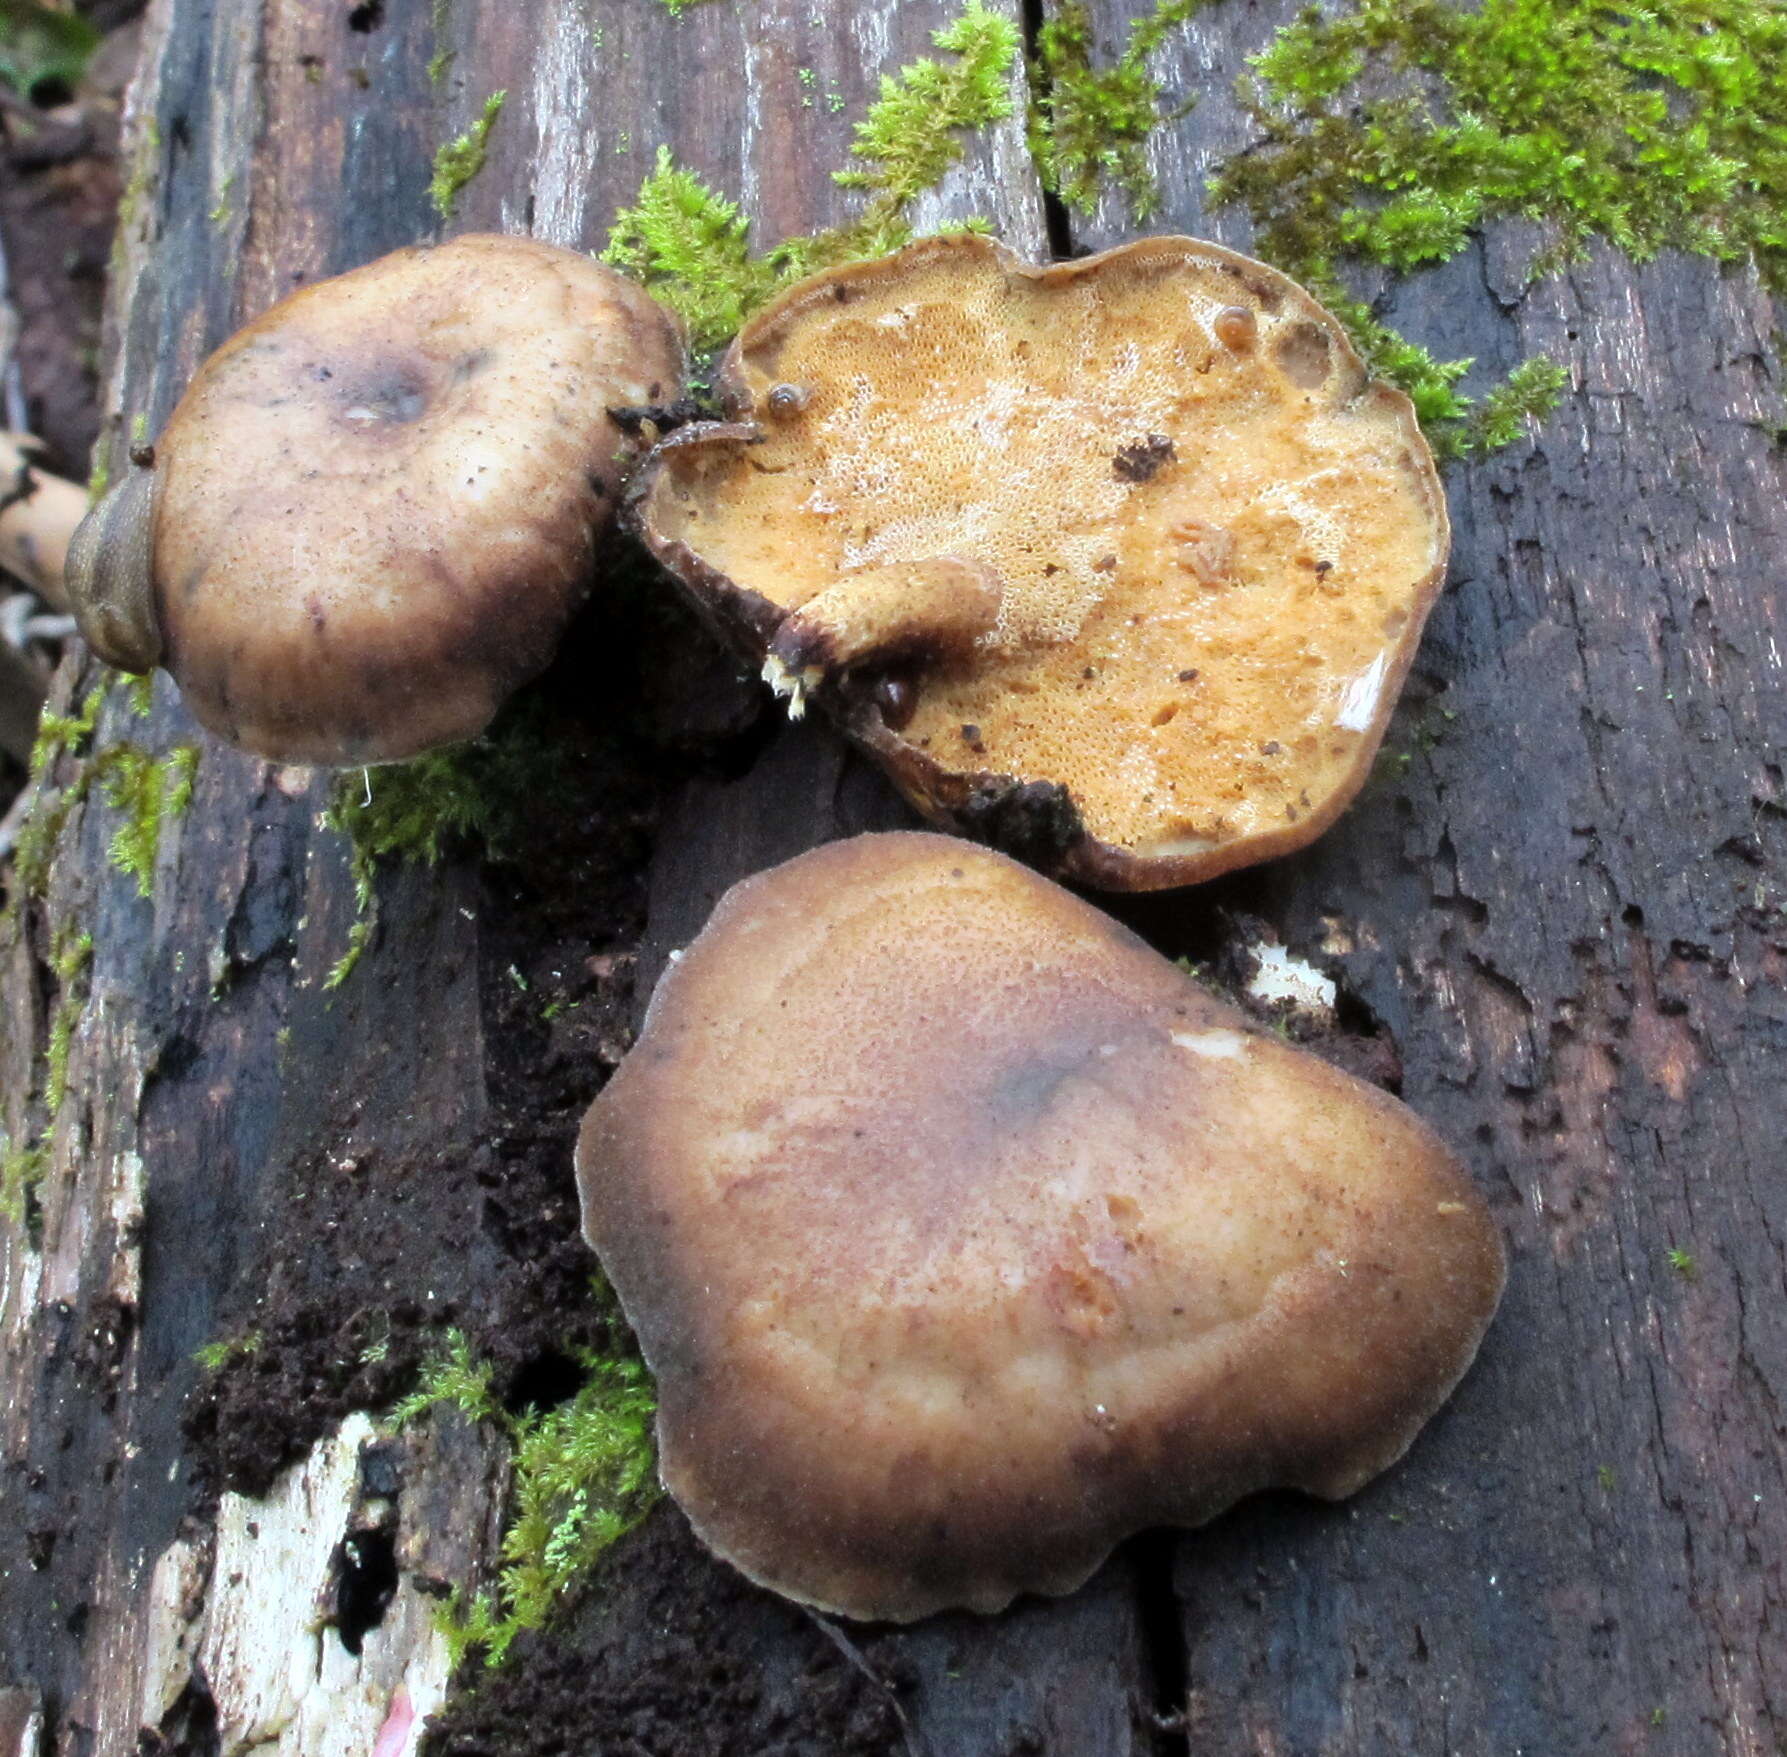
[(145, 160), (57, 735), (440, 20), (151, 792), (909, 136), (220, 211), (23, 1163), (70, 954), (676, 8), (215, 1356), (1682, 1262), (1456, 425), (691, 246), (1089, 124), (413, 812), (22, 1168), (407, 812), (1393, 131), (582, 1475), (458, 161)]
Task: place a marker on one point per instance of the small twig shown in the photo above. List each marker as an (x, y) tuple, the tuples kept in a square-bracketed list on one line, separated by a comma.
[(857, 1660), (22, 621)]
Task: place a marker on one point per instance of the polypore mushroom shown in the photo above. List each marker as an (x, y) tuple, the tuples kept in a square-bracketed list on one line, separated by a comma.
[(375, 509), (1119, 562), (966, 1235)]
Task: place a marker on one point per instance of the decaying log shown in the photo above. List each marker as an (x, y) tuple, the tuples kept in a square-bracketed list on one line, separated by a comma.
[(1562, 918)]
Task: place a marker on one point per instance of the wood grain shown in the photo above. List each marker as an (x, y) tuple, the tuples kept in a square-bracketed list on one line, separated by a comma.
[(274, 144), (1567, 913)]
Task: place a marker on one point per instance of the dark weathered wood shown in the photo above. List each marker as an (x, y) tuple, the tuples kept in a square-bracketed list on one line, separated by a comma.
[(1567, 913), (223, 1108)]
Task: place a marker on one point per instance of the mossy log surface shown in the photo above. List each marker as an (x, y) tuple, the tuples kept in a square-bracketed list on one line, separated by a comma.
[(1558, 908)]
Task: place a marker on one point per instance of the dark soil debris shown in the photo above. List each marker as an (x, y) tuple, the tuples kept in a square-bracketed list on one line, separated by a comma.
[(391, 1235), (1143, 460), (671, 1655)]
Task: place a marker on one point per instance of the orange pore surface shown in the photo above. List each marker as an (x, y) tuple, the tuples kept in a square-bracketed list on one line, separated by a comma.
[(1216, 540)]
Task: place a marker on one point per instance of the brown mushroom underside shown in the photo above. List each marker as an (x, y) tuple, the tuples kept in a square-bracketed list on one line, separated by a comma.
[(375, 508), (966, 1235), (1214, 539)]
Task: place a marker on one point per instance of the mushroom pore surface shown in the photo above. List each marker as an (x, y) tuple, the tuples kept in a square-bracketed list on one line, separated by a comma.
[(966, 1235), (1216, 539), (375, 509)]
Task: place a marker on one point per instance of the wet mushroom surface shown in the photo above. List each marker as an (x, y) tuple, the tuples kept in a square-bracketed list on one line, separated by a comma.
[(966, 1235), (375, 509), (1136, 534)]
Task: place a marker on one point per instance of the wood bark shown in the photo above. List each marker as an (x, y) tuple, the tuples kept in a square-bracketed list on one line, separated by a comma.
[(1564, 912)]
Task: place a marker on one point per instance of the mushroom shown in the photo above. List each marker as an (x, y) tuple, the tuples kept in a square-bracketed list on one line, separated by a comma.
[(966, 1235), (1194, 543), (375, 509)]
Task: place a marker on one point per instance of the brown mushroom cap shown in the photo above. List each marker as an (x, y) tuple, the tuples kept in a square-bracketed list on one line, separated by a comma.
[(374, 510), (966, 1235), (1215, 541)]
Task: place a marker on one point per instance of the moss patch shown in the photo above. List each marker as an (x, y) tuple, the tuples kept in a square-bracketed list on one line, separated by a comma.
[(22, 1167), (415, 811), (457, 162), (440, 21), (227, 1350), (1393, 131), (692, 247), (1089, 124), (151, 792), (57, 735), (582, 1475), (1654, 128), (23, 1163), (145, 165), (220, 211)]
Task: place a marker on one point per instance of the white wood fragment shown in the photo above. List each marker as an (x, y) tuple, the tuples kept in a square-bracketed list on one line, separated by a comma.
[(282, 1680), (1278, 976)]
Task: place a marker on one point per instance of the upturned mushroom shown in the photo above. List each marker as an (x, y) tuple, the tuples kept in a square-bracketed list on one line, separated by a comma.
[(375, 509), (966, 1236), (1118, 563)]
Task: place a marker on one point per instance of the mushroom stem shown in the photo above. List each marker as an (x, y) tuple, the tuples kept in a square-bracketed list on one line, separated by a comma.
[(931, 607), (38, 515)]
